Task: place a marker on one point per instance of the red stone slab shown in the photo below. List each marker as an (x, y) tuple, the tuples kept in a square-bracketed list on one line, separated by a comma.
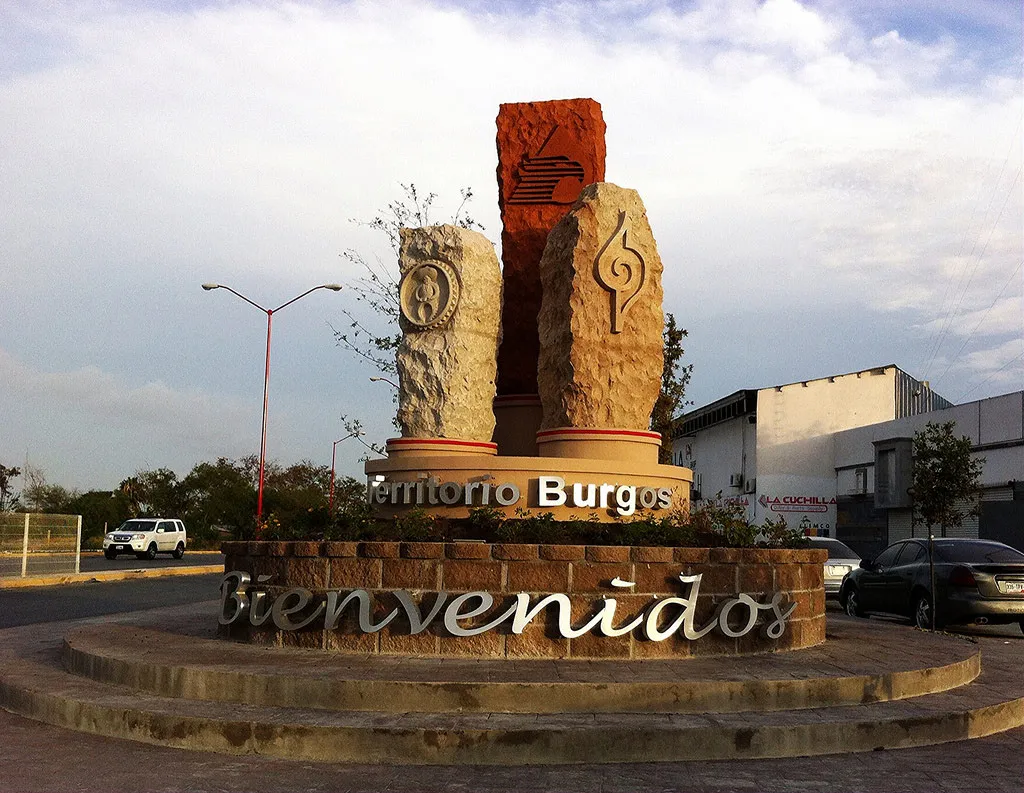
[(547, 153)]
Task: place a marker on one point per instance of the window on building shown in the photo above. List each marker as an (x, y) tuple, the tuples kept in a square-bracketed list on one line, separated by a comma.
[(885, 470)]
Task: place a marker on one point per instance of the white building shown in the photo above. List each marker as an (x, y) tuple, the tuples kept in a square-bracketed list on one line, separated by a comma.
[(807, 451)]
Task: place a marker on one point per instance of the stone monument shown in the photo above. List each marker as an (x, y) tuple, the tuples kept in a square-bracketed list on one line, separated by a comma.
[(600, 320), (450, 304), (547, 153), (580, 357), (580, 362)]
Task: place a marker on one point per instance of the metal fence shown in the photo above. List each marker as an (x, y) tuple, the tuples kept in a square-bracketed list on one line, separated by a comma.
[(32, 544)]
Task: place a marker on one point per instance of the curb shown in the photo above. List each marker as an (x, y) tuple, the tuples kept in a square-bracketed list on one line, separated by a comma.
[(115, 575)]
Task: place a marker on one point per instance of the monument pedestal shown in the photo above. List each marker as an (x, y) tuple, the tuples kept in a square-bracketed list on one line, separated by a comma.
[(517, 418), (634, 446), (449, 477)]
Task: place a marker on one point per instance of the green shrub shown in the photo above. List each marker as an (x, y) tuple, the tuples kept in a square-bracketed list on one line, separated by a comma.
[(713, 524)]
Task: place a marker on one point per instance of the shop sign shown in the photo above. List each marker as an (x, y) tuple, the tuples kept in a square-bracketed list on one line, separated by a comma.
[(552, 491), (797, 503), (659, 619)]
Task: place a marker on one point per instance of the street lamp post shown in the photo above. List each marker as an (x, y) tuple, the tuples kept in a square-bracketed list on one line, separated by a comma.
[(334, 449), (266, 374)]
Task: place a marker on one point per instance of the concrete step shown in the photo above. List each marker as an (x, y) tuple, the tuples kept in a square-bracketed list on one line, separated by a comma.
[(857, 665), (33, 683)]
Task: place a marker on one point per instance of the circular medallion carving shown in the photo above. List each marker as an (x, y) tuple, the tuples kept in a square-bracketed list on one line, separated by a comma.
[(428, 295)]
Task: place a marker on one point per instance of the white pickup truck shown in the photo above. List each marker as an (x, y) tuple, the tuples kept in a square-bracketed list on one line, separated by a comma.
[(146, 537)]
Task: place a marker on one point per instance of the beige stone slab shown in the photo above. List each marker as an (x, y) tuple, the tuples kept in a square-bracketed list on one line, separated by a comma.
[(601, 321), (450, 300)]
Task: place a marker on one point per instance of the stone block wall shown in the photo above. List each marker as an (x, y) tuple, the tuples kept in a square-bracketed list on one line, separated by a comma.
[(583, 572)]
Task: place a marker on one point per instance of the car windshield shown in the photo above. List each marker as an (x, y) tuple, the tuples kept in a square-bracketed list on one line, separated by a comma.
[(977, 552), (138, 525), (836, 549)]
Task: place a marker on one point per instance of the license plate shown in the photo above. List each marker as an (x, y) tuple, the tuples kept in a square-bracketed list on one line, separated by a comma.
[(120, 547), (1012, 587), (836, 569)]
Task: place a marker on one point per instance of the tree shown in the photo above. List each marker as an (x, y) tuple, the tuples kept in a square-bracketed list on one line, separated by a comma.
[(946, 477), (674, 379), (38, 495), (8, 499), (220, 495), (154, 493), (297, 497), (378, 288), (100, 509)]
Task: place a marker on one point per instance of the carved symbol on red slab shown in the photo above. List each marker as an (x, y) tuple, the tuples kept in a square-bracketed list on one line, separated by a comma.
[(553, 175), (620, 270)]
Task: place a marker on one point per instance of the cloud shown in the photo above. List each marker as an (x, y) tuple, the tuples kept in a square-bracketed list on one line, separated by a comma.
[(190, 416), (816, 158)]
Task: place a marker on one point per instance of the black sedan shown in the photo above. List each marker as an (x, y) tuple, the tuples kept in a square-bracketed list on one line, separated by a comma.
[(976, 581)]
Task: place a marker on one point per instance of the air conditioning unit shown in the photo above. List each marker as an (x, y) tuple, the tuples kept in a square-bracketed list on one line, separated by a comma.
[(735, 480), (750, 486)]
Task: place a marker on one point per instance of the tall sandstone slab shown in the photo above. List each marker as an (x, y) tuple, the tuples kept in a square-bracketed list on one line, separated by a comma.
[(450, 312), (547, 153), (601, 322)]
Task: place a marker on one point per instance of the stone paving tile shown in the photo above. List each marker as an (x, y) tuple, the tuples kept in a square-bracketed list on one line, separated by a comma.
[(852, 651), (37, 757), (87, 763)]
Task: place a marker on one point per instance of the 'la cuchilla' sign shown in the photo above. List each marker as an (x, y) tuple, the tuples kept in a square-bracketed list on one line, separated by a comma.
[(662, 617)]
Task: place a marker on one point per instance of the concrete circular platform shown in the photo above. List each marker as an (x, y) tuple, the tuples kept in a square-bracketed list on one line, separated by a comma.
[(872, 685), (856, 666)]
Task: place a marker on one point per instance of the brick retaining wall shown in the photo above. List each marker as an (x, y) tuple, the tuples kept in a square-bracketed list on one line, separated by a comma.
[(581, 571)]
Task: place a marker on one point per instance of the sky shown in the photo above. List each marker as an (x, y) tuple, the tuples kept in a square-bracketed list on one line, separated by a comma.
[(833, 186)]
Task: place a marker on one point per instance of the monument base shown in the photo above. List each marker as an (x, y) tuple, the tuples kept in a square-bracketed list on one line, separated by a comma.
[(158, 679), (517, 418), (605, 475), (664, 602), (628, 446)]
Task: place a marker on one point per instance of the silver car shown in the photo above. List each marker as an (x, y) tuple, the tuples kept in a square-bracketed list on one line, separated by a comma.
[(841, 560)]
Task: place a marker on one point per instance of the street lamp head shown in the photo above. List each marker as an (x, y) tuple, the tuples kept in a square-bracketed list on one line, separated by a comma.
[(208, 287), (333, 287)]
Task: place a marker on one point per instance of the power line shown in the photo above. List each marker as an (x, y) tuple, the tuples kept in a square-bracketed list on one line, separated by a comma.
[(993, 374), (977, 264), (947, 322), (1016, 270)]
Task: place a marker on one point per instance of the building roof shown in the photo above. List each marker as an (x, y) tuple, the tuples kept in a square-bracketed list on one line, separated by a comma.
[(745, 401)]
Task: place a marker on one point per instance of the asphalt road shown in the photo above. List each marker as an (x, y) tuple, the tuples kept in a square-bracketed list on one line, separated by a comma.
[(1011, 631), (95, 599), (98, 564)]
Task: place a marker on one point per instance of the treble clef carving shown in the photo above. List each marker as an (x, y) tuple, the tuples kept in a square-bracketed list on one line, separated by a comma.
[(621, 271)]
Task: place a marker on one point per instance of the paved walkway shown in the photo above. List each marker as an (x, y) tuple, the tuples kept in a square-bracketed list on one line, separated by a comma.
[(37, 757)]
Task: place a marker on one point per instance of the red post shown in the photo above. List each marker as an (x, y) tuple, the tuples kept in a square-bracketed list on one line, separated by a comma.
[(263, 432), (330, 500), (266, 377)]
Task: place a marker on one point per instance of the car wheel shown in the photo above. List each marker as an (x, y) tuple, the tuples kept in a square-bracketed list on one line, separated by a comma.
[(179, 551), (851, 605), (110, 554), (923, 613), (151, 551)]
